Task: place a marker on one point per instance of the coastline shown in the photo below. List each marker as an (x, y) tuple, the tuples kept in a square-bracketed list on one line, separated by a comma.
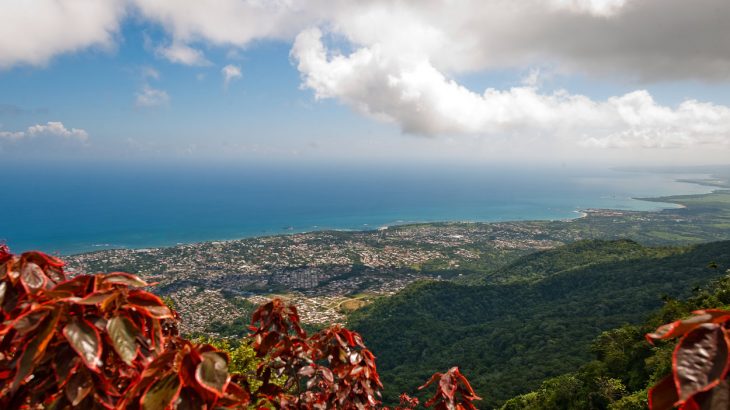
[(582, 214), (524, 209)]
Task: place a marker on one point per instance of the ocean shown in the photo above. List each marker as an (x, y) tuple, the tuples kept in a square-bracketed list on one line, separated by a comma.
[(73, 208)]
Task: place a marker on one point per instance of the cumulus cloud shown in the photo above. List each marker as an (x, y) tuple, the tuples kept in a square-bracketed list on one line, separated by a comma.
[(57, 129), (230, 73), (151, 97), (595, 7), (647, 39), (32, 32), (54, 129), (232, 22), (420, 99), (183, 54)]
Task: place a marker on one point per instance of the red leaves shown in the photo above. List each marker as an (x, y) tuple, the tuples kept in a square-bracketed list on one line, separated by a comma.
[(717, 398), (148, 304), (681, 327), (78, 387), (350, 375), (212, 372), (407, 402), (22, 278), (32, 277), (275, 321), (93, 341), (4, 252), (664, 394), (190, 375), (125, 279), (700, 363), (162, 393), (123, 336), (33, 351), (453, 391), (334, 365), (700, 360), (85, 340)]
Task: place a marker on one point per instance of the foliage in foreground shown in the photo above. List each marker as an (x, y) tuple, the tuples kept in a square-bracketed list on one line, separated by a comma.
[(700, 363), (99, 341)]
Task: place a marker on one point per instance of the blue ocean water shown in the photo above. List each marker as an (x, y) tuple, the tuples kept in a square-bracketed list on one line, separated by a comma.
[(74, 208)]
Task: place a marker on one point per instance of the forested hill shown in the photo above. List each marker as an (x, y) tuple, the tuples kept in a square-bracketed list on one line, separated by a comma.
[(625, 366), (574, 256), (536, 321)]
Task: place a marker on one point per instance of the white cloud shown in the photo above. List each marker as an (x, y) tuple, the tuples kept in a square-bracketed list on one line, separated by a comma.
[(183, 54), (150, 73), (230, 73), (406, 54), (232, 22), (595, 7), (648, 40), (32, 32), (151, 97), (53, 129), (645, 39), (533, 79), (420, 99), (12, 135)]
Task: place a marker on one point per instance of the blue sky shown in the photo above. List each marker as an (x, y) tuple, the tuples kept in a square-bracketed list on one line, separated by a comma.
[(97, 90), (135, 79)]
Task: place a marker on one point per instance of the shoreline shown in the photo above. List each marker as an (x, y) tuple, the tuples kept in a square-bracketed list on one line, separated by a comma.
[(515, 210), (581, 214)]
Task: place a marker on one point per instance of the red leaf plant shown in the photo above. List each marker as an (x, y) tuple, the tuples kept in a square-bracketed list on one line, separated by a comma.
[(330, 369), (98, 341), (700, 363), (453, 391)]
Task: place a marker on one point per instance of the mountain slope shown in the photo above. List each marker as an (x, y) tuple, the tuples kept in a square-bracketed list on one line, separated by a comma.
[(625, 366), (508, 337), (574, 256)]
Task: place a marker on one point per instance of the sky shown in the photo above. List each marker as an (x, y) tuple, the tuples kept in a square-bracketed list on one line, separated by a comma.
[(483, 81)]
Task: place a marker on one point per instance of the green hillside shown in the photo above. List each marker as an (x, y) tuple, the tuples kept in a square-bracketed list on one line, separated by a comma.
[(575, 256), (532, 320), (624, 364)]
